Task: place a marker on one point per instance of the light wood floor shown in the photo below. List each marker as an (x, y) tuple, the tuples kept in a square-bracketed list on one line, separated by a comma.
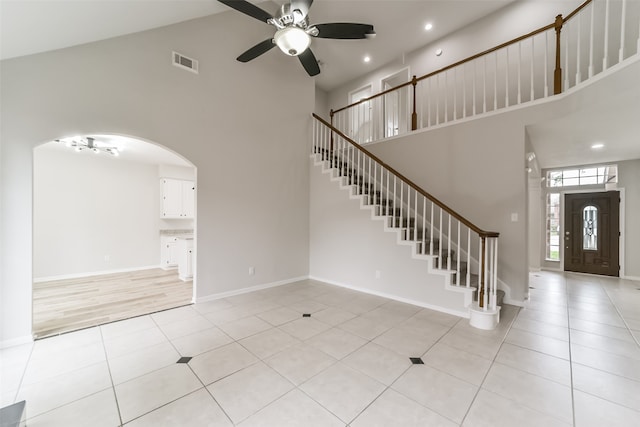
[(67, 305)]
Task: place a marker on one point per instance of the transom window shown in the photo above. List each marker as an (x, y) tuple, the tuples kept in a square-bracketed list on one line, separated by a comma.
[(591, 175)]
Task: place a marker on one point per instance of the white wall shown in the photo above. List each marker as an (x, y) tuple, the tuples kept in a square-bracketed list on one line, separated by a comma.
[(629, 179), (348, 247), (89, 207), (514, 20), (244, 126)]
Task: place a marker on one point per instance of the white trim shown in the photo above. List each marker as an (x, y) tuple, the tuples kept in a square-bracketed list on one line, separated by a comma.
[(510, 301), (27, 339), (463, 314), (634, 278), (557, 270), (92, 273), (221, 295)]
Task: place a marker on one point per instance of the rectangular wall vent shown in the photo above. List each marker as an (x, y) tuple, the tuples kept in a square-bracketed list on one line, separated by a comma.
[(179, 60)]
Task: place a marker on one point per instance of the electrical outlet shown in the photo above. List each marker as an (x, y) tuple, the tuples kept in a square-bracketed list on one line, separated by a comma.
[(377, 274), (107, 258), (252, 271)]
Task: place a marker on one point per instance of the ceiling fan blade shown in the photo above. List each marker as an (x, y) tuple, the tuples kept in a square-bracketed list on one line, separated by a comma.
[(301, 5), (309, 62), (248, 9), (257, 50), (344, 30)]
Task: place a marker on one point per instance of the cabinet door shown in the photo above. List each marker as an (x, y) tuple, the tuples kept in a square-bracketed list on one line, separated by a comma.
[(188, 199), (171, 198), (172, 254)]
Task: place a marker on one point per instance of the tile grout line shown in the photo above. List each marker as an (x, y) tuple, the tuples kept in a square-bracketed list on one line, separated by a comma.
[(113, 386), (573, 399), (493, 361)]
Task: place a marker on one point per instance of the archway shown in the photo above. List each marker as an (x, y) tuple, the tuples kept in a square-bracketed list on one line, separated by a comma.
[(100, 233)]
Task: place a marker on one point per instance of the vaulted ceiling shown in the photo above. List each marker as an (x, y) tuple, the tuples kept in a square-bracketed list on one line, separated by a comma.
[(34, 26)]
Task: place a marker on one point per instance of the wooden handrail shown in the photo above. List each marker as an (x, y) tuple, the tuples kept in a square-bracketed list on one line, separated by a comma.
[(557, 25), (466, 222), (578, 9)]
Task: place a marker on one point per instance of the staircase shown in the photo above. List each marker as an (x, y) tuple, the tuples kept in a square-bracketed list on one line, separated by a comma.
[(436, 235)]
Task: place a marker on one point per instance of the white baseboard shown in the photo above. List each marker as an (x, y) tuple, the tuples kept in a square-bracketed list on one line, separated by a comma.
[(92, 273), (464, 314), (249, 289), (510, 301), (27, 339), (634, 278)]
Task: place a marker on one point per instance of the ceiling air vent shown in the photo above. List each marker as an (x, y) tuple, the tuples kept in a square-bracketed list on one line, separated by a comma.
[(179, 60)]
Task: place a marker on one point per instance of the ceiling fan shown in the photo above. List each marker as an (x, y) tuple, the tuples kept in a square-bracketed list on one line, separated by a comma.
[(293, 32)]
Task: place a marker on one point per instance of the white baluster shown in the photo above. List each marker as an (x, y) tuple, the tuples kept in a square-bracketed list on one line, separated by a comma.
[(591, 34), (387, 206), (428, 98), (446, 97), (605, 60), (458, 258), (431, 219), (484, 84), (532, 95), (455, 93), (440, 242), (401, 203), (464, 91), (415, 214), (468, 256), (473, 87), (437, 79), (486, 278), (546, 64), (506, 97), (578, 64), (622, 30), (424, 225), (449, 251), (480, 272), (495, 273), (495, 82), (566, 58), (519, 73)]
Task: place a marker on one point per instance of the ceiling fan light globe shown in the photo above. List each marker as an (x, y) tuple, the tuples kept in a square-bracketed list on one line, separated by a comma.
[(292, 40)]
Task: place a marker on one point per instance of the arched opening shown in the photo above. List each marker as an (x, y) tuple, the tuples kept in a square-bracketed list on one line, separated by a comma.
[(112, 238)]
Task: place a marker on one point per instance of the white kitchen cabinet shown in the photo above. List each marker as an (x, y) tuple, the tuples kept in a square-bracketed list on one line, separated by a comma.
[(177, 198), (169, 255), (185, 258)]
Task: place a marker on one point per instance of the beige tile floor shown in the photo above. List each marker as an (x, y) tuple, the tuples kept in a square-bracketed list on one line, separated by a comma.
[(571, 357)]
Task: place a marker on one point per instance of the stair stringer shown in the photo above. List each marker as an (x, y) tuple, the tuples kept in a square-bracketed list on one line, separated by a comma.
[(466, 294)]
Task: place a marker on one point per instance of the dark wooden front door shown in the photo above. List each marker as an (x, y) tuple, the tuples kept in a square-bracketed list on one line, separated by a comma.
[(592, 233)]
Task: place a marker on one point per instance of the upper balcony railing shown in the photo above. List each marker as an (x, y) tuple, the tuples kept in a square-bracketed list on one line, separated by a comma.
[(545, 62)]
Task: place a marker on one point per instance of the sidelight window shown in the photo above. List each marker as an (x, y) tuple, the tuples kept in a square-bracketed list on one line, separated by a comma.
[(553, 227), (590, 228)]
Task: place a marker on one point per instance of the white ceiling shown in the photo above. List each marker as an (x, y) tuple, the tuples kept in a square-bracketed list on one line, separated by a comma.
[(28, 27)]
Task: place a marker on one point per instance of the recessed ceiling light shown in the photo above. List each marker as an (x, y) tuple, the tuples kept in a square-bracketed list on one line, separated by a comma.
[(438, 52), (367, 59), (429, 26), (597, 146)]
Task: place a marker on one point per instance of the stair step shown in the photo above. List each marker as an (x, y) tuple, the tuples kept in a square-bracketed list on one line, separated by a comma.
[(403, 222)]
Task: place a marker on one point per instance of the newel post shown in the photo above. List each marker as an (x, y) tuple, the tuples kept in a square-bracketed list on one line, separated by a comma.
[(483, 267), (557, 74), (414, 114), (331, 116)]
